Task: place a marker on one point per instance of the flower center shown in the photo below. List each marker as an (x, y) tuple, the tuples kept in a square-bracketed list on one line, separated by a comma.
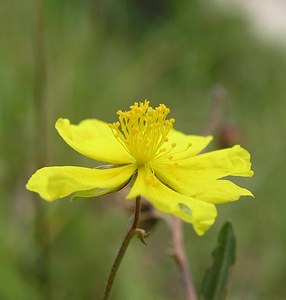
[(143, 130)]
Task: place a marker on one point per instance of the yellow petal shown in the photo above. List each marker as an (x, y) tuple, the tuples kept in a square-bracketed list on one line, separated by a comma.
[(58, 182), (196, 175), (194, 144), (221, 191), (199, 213), (233, 161), (94, 139)]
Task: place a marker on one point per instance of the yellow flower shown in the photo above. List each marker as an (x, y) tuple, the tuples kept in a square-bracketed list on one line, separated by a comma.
[(165, 165)]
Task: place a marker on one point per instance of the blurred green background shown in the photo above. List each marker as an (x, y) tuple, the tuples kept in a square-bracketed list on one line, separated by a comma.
[(100, 56)]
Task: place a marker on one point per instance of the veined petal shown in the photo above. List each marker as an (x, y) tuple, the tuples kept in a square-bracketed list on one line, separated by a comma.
[(233, 161), (221, 191), (94, 139), (201, 214), (197, 174), (214, 191), (58, 182), (179, 179), (193, 143)]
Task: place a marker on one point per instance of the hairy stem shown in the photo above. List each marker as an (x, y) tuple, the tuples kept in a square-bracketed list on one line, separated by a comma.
[(180, 258), (179, 253), (122, 250)]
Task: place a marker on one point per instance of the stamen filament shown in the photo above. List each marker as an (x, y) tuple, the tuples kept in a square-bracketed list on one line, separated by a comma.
[(142, 130)]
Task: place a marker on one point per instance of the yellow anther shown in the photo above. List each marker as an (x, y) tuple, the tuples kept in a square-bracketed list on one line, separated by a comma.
[(142, 130)]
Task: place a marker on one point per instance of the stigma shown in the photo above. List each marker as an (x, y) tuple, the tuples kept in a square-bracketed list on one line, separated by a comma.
[(142, 130)]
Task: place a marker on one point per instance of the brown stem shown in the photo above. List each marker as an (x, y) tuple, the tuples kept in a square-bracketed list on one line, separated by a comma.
[(122, 250), (180, 258), (179, 253), (218, 102)]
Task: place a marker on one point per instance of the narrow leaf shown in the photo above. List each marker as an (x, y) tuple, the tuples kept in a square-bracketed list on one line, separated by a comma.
[(216, 277)]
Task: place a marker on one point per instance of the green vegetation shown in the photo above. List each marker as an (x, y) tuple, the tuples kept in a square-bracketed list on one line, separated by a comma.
[(102, 56)]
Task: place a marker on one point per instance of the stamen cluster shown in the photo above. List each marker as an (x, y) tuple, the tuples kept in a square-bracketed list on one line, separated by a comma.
[(143, 130)]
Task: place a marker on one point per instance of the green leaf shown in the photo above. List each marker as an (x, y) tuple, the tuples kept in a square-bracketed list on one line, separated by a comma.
[(216, 277)]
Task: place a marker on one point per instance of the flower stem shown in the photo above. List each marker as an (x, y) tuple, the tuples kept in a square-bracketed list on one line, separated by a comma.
[(122, 250), (179, 252), (180, 257)]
